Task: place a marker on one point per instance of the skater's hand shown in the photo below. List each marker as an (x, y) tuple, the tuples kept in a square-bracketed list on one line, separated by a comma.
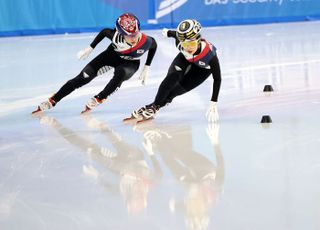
[(212, 112), (84, 53), (144, 75), (165, 32)]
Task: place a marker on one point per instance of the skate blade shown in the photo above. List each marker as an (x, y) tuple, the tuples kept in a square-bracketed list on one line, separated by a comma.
[(36, 111), (145, 120), (130, 121), (86, 110)]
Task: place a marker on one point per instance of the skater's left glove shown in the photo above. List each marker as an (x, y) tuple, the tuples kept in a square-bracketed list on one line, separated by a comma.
[(144, 75), (165, 32), (212, 112)]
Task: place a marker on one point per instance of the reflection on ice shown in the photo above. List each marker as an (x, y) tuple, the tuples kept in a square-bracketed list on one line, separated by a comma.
[(140, 170)]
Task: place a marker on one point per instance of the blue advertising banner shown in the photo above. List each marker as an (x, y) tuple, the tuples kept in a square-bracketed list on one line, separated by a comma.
[(226, 12), (25, 17)]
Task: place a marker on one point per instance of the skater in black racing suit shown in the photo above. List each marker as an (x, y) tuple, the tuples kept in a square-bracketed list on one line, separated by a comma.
[(128, 45), (196, 61)]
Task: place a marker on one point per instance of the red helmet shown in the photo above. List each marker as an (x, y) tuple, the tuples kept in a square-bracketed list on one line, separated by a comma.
[(128, 24)]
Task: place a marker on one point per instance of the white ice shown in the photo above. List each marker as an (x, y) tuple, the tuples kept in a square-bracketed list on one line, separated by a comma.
[(61, 170)]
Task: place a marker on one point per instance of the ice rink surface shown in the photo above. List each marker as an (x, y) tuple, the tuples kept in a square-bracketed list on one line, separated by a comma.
[(61, 170)]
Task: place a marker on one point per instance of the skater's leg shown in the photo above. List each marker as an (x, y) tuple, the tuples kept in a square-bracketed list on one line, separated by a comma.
[(84, 77), (175, 73), (122, 73), (88, 73), (178, 68), (191, 80), (195, 77)]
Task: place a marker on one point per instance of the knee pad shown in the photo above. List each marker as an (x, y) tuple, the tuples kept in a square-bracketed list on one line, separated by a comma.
[(88, 72), (85, 76)]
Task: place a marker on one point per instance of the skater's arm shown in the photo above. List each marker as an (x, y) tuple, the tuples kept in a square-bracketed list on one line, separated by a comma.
[(171, 34), (103, 33), (152, 51), (216, 74)]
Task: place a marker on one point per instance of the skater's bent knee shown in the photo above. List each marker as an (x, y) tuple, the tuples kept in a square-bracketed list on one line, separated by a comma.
[(88, 71)]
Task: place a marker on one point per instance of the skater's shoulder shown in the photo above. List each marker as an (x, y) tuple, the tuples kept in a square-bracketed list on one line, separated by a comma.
[(152, 39), (108, 31), (147, 36), (203, 40)]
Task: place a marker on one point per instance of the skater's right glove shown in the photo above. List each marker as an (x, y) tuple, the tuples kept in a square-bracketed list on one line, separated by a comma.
[(212, 112), (165, 32), (84, 53)]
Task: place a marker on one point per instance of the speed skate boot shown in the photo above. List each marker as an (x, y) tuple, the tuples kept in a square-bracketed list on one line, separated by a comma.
[(136, 115), (92, 103), (46, 105), (143, 114), (149, 112)]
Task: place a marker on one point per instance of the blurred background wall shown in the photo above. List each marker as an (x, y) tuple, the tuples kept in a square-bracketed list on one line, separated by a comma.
[(34, 17)]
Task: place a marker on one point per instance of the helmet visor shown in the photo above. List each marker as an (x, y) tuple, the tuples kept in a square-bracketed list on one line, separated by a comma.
[(190, 44)]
